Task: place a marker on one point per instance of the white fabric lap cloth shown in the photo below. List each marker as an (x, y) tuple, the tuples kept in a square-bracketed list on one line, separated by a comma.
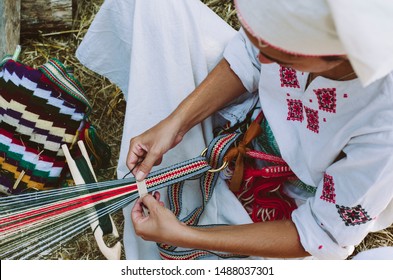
[(158, 51)]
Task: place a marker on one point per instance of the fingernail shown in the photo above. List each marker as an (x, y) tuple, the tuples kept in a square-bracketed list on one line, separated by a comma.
[(139, 176)]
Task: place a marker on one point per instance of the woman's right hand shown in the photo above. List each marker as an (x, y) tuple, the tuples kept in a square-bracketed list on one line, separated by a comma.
[(148, 148)]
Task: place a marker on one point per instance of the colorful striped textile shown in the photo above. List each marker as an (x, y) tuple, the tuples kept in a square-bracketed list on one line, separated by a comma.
[(40, 109), (33, 224), (215, 153), (36, 223)]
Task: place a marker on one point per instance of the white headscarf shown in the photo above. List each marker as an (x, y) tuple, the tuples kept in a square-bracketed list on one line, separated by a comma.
[(360, 29)]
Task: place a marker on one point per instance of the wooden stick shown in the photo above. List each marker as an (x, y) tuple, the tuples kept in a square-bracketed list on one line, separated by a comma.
[(110, 253)]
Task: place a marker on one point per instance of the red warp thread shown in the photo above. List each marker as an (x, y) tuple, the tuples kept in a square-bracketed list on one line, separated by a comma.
[(262, 195)]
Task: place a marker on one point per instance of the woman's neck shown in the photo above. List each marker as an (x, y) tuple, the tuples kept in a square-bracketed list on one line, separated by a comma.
[(342, 72)]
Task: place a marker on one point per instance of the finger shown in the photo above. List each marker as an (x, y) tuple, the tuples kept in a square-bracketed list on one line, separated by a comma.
[(149, 201), (142, 174), (146, 165), (132, 162), (132, 159), (157, 195), (137, 211), (135, 154), (158, 161)]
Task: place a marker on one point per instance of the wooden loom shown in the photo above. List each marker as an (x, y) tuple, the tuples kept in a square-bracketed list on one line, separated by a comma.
[(111, 253)]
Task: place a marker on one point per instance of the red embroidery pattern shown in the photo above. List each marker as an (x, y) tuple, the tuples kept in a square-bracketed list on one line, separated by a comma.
[(328, 191), (353, 215), (327, 99), (288, 77), (295, 110), (312, 119)]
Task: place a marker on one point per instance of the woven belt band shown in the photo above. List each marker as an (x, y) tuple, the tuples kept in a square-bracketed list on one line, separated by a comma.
[(216, 152)]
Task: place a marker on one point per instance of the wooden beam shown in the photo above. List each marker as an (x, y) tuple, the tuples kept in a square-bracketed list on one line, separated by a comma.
[(46, 16), (9, 26)]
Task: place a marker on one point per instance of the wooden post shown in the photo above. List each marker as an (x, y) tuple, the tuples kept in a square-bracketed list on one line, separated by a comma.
[(9, 26), (46, 16)]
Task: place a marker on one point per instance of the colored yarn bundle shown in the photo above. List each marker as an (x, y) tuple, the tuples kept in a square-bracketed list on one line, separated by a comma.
[(256, 174)]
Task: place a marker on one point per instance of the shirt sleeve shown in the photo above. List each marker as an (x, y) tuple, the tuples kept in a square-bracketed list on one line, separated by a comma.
[(354, 198), (241, 54)]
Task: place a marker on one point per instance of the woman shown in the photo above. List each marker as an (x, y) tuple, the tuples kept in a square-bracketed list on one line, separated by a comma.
[(324, 89)]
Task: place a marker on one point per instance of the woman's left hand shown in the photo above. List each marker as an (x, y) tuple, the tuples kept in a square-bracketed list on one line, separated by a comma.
[(160, 225)]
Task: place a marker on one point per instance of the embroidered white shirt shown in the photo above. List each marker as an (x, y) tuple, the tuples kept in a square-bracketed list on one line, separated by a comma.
[(312, 126)]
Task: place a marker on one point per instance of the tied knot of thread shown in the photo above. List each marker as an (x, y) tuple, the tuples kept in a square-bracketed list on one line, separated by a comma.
[(239, 152)]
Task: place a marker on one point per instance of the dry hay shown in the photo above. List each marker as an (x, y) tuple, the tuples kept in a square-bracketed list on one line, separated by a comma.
[(108, 114)]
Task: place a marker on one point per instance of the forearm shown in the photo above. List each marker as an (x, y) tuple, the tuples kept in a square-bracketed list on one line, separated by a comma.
[(220, 87), (278, 239)]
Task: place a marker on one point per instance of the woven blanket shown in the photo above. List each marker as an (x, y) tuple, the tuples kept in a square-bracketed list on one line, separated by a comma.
[(41, 109)]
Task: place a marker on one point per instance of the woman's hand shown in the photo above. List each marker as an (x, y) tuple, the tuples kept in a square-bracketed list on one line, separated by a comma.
[(161, 225), (147, 149)]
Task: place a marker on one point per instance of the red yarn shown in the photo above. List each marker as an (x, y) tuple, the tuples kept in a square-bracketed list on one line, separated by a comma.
[(261, 192)]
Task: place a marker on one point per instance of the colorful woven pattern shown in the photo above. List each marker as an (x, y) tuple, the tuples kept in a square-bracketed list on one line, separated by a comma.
[(32, 224), (215, 156), (35, 223), (41, 109)]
